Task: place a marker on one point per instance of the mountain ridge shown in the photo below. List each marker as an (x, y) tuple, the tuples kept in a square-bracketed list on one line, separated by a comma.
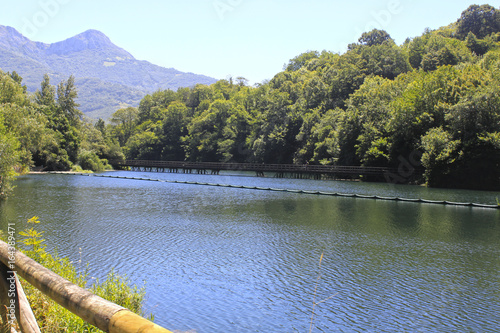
[(95, 62), (88, 40)]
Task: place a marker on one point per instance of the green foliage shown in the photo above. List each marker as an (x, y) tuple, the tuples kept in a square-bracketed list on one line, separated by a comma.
[(9, 159), (118, 289), (375, 37), (46, 95), (298, 62), (482, 21), (439, 154), (434, 59), (66, 100), (436, 49), (47, 131), (374, 105), (145, 145), (124, 122), (478, 47), (77, 168), (89, 160), (214, 135), (33, 237)]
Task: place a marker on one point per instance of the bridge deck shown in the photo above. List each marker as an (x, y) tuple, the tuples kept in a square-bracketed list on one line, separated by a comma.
[(278, 168)]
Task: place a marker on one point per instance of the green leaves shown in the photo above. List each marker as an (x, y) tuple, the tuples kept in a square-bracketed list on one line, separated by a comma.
[(376, 105), (298, 62), (9, 158), (376, 37), (66, 100), (124, 122), (33, 238), (439, 149), (480, 20)]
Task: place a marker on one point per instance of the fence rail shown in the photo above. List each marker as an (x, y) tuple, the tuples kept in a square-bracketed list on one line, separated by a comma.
[(95, 310), (257, 167)]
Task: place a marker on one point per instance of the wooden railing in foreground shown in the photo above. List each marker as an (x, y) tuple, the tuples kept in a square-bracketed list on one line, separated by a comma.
[(95, 310)]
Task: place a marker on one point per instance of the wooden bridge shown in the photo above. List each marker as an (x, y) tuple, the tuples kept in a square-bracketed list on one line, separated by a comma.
[(278, 170), (96, 311)]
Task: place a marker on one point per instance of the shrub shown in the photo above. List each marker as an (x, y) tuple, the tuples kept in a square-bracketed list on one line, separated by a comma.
[(90, 161)]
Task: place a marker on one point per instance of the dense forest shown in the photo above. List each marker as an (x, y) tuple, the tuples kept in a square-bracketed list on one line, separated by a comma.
[(47, 129), (433, 101)]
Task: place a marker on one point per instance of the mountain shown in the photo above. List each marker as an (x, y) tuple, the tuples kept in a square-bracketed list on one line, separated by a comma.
[(107, 76)]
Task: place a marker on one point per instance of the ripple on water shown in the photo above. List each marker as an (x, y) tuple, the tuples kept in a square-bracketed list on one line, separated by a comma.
[(239, 260)]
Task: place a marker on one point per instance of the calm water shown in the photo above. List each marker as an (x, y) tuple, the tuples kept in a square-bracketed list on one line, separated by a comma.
[(236, 260)]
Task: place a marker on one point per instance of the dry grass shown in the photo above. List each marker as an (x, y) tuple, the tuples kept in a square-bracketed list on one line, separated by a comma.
[(315, 304)]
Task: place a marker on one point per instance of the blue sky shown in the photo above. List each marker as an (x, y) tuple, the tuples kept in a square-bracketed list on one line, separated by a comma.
[(221, 38)]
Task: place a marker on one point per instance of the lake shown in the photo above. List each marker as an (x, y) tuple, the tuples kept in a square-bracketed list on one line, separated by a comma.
[(218, 259)]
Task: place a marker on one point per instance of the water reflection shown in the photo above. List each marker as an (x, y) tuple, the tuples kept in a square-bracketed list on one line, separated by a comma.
[(222, 259)]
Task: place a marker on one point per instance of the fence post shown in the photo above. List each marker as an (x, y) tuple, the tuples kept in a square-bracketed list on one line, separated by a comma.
[(15, 302)]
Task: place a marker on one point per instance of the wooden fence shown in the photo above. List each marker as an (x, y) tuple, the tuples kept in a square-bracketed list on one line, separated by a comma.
[(95, 310)]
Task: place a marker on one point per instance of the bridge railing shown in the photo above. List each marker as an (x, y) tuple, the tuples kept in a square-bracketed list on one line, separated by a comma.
[(322, 169), (95, 310)]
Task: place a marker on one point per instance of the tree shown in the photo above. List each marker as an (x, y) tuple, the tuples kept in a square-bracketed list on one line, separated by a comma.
[(100, 125), (479, 47), (9, 159), (151, 106), (334, 138), (434, 59), (11, 91), (296, 63), (241, 81), (439, 154), (143, 146), (66, 100), (343, 77), (364, 107), (46, 95), (416, 52), (18, 79), (482, 21), (200, 93), (206, 132), (375, 37), (315, 92), (386, 60), (275, 139), (476, 114), (174, 127), (123, 123)]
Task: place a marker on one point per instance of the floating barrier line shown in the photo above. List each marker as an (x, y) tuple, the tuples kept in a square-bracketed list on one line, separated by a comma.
[(345, 195)]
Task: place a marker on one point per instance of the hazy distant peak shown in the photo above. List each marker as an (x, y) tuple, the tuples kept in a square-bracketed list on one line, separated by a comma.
[(92, 33), (13, 40), (88, 40), (8, 31), (107, 77), (94, 39), (11, 37)]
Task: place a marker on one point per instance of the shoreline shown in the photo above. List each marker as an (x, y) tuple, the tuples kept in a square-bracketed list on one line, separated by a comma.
[(56, 172)]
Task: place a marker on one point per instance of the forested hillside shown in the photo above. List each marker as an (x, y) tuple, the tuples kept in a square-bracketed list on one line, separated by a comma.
[(433, 101), (47, 129)]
